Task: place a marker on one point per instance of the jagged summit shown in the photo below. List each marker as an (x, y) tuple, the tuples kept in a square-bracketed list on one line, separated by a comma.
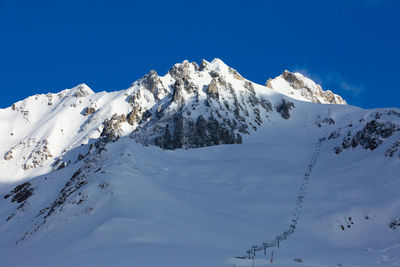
[(217, 64), (212, 99), (297, 86), (93, 178), (292, 84), (82, 90), (190, 106)]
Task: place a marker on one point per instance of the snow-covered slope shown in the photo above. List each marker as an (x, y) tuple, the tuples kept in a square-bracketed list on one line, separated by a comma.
[(40, 129), (82, 183)]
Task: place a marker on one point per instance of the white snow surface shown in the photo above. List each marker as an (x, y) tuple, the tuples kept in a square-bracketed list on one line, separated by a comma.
[(144, 206)]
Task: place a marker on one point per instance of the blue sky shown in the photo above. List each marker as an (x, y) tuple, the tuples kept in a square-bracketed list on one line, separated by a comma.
[(351, 47)]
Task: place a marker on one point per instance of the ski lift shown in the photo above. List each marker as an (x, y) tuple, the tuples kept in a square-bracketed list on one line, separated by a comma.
[(298, 208)]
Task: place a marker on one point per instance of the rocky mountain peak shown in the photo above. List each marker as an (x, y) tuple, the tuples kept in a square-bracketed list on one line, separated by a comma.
[(212, 99), (298, 86), (217, 65), (82, 90), (69, 158), (190, 106), (184, 69)]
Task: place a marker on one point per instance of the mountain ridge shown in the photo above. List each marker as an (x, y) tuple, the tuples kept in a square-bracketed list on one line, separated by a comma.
[(199, 160), (211, 99)]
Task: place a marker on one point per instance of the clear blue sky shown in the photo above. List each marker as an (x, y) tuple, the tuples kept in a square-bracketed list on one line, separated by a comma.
[(351, 47)]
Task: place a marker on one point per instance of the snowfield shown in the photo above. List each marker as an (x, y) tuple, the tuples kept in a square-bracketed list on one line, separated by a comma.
[(118, 201)]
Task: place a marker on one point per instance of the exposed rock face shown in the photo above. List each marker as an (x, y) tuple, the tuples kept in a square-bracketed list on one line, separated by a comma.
[(284, 107), (82, 90), (196, 114), (112, 128), (213, 89), (391, 151), (326, 121), (38, 155), (249, 86), (293, 80), (89, 110), (297, 86), (184, 69), (395, 223), (236, 74), (334, 135), (49, 99), (77, 180), (203, 65), (370, 137), (134, 116), (59, 164), (152, 82), (20, 193), (188, 133), (9, 154)]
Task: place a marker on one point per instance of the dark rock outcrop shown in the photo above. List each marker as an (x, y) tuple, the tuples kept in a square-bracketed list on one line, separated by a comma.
[(326, 121), (370, 137), (152, 82), (77, 180), (20, 193), (212, 90), (191, 134), (112, 128), (88, 111), (391, 151), (395, 223), (81, 91), (284, 108), (181, 120)]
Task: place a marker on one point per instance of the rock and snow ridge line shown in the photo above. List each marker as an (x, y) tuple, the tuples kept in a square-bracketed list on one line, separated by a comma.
[(97, 179), (299, 87), (190, 106)]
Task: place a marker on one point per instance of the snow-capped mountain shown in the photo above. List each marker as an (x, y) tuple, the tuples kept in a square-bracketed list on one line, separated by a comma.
[(193, 168), (299, 87), (191, 106)]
